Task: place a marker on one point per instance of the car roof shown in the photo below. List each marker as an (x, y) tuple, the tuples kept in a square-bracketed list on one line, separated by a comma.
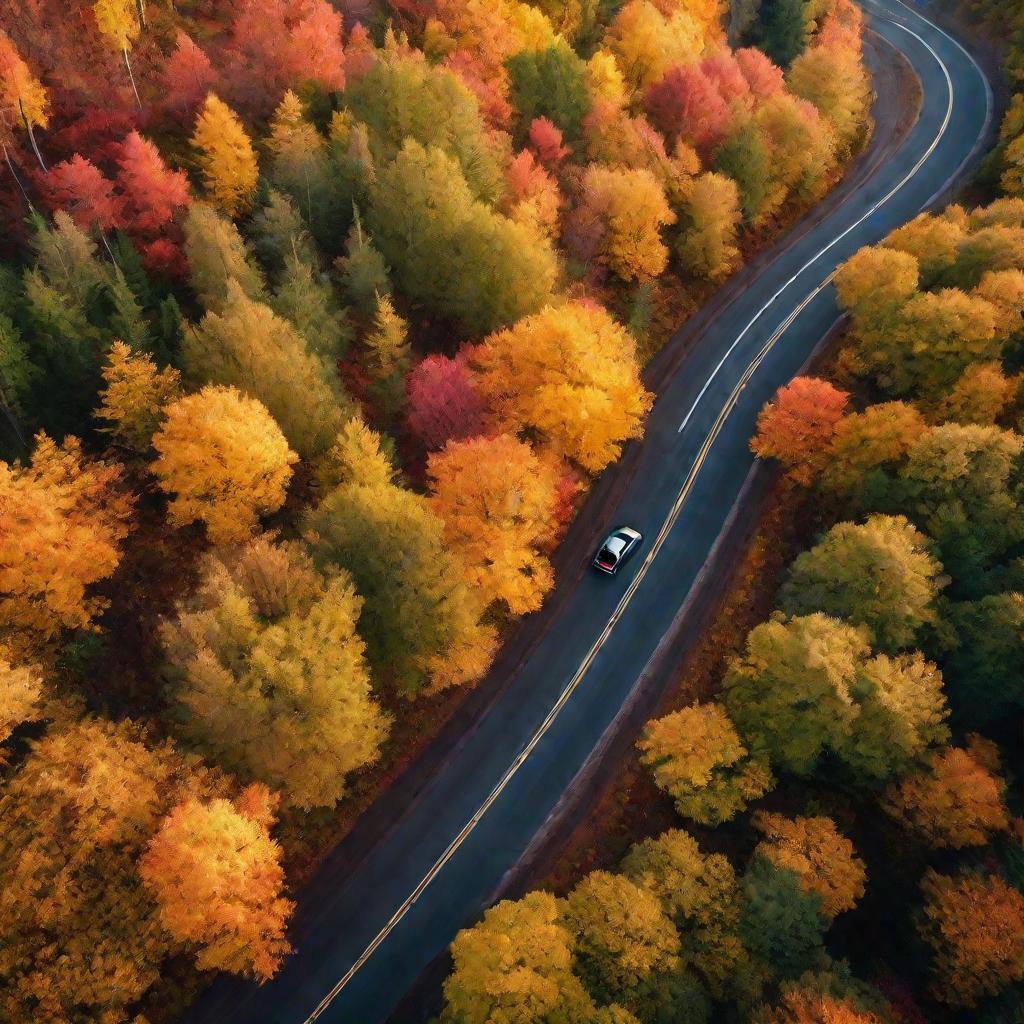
[(627, 531), (614, 544)]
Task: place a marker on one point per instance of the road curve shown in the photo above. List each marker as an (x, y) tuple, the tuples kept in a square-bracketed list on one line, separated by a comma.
[(362, 939)]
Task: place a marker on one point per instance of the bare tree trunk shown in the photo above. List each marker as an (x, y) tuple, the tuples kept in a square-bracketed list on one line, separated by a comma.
[(131, 77), (31, 135), (141, 7), (14, 174)]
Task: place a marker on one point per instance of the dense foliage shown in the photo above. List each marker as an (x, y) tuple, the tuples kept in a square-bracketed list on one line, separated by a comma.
[(866, 732), (316, 322)]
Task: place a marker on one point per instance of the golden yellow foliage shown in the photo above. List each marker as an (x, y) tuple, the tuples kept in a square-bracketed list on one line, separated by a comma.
[(646, 43), (697, 757), (20, 91), (980, 395), (226, 157), (492, 30), (515, 966), (118, 20), (568, 373), (622, 933), (881, 434), (604, 79), (224, 460), (21, 688), (291, 135), (631, 208), (216, 876), (821, 857), (269, 672), (79, 938), (700, 894), (62, 518), (135, 395)]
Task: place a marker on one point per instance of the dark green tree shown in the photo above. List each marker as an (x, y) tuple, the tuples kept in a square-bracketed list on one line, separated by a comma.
[(549, 83), (781, 923), (783, 29)]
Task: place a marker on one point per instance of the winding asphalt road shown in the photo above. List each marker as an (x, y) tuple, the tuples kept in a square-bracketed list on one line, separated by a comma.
[(362, 939)]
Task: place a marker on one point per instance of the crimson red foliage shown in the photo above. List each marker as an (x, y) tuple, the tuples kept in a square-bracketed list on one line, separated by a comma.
[(80, 188), (443, 404), (685, 103), (187, 76), (360, 54), (279, 44), (151, 194)]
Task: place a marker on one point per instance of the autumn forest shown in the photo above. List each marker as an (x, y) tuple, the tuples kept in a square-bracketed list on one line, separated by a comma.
[(318, 322)]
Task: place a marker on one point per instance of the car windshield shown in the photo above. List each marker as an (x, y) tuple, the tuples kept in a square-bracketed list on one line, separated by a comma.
[(607, 556)]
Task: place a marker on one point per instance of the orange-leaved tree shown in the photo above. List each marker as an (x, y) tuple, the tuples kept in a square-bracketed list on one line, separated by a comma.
[(497, 498), (216, 875), (21, 691), (822, 858), (954, 800), (62, 520), (974, 925), (23, 99), (798, 425)]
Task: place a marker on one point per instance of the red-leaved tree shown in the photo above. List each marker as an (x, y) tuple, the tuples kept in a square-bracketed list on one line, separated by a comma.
[(443, 403), (796, 427)]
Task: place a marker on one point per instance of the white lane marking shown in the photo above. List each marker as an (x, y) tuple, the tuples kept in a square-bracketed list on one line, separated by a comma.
[(989, 98), (853, 227), (677, 506)]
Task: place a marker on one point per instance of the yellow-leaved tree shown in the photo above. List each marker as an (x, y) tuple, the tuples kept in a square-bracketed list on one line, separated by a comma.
[(630, 209), (496, 499), (118, 22), (62, 520), (515, 965), (388, 358), (701, 896), (421, 619), (23, 99), (646, 43), (568, 375), (21, 690), (224, 460), (225, 156), (622, 933), (216, 875), (135, 395), (80, 940), (698, 758), (270, 675)]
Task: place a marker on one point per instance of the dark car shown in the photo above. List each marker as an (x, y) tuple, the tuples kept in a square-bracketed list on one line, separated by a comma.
[(618, 546)]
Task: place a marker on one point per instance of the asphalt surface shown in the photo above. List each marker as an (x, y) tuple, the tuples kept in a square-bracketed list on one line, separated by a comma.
[(363, 935)]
